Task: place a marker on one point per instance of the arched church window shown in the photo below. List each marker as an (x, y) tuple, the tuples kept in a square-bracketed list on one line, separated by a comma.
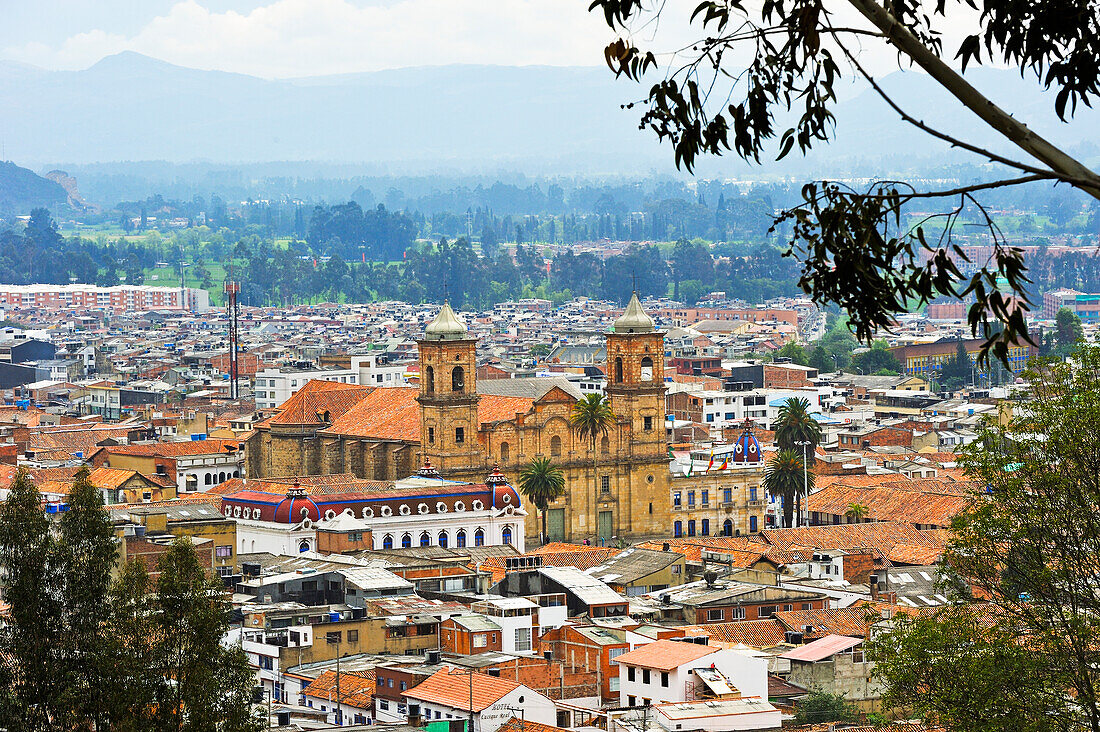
[(605, 445), (619, 370), (504, 452), (647, 368), (555, 446), (458, 379), (429, 380)]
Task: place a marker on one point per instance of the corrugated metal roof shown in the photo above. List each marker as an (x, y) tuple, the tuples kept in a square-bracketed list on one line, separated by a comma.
[(821, 649)]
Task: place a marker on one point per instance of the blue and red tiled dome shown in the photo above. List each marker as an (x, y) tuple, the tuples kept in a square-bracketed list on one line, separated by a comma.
[(296, 506), (746, 449), (504, 495)]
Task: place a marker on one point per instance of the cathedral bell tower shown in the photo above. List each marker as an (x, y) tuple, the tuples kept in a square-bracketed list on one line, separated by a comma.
[(448, 394), (635, 379)]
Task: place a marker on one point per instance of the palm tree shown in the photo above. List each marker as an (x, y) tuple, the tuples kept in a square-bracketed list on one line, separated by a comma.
[(541, 483), (591, 419), (786, 476), (796, 429), (856, 511), (796, 424)]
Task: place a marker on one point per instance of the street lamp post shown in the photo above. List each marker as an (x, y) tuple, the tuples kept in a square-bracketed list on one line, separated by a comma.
[(804, 444)]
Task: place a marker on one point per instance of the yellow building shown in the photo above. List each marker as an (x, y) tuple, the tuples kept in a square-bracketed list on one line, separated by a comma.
[(719, 491)]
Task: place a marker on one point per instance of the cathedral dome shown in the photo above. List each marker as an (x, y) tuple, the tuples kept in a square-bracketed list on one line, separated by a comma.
[(747, 449), (633, 319), (446, 327), (296, 506)]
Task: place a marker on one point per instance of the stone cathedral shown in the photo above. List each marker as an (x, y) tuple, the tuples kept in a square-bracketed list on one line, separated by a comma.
[(380, 434)]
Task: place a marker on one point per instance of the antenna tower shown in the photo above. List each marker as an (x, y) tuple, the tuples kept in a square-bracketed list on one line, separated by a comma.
[(232, 289)]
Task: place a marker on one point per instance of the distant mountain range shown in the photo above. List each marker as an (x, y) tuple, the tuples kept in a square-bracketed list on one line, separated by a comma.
[(554, 120)]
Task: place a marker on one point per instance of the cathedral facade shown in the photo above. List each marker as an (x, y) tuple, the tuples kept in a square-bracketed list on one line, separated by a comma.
[(619, 491)]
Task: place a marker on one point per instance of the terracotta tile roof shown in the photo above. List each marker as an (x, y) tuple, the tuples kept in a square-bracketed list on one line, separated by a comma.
[(558, 546), (880, 536), (755, 633), (388, 413), (854, 621), (494, 408), (665, 655), (743, 552), (84, 439), (314, 485), (110, 478), (451, 687), (356, 688), (394, 414), (914, 554), (177, 449), (515, 724), (925, 501), (316, 398)]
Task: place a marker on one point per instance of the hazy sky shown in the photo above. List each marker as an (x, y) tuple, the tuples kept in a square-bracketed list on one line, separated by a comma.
[(276, 38), (281, 38)]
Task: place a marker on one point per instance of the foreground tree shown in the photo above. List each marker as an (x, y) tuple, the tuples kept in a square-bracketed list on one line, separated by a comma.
[(131, 691), (541, 483), (761, 62), (1028, 545), (33, 694), (86, 554), (77, 652), (206, 685), (784, 476)]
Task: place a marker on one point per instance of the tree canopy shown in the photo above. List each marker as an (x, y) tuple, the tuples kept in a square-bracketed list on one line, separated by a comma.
[(1018, 651), (757, 65)]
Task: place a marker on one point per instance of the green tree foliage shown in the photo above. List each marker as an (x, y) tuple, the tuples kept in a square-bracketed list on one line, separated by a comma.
[(876, 360), (784, 477), (208, 686), (795, 352), (819, 707), (32, 638), (130, 691), (80, 653), (591, 418), (1027, 546), (957, 370), (690, 261), (541, 483), (795, 423), (761, 80), (1068, 329), (348, 231), (822, 360), (86, 553)]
